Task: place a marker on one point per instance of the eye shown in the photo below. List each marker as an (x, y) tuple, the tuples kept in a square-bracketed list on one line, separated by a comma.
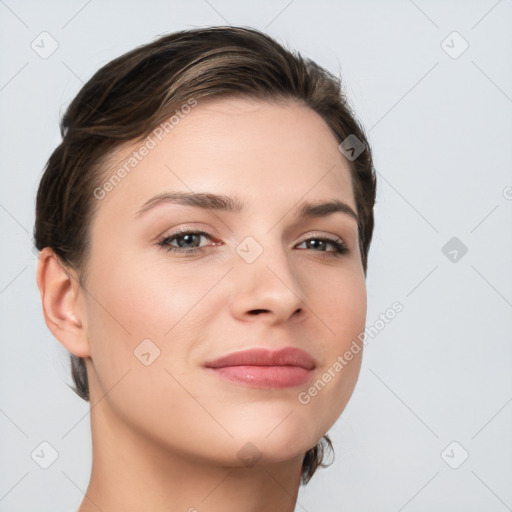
[(188, 240), (340, 247), (184, 237)]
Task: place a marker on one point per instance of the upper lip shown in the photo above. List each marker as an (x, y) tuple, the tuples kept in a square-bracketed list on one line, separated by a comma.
[(287, 356)]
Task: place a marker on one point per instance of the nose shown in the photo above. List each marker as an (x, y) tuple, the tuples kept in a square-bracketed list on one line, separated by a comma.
[(266, 289)]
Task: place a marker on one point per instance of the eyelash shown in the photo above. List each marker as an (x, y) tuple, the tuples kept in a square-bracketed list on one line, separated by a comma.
[(341, 247)]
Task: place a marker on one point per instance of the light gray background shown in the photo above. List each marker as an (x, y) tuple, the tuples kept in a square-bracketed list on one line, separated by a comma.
[(441, 132)]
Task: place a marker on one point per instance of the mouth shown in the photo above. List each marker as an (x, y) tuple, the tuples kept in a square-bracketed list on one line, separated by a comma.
[(265, 368)]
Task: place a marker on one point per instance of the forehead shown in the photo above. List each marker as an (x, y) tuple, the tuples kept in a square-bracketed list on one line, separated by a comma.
[(266, 153)]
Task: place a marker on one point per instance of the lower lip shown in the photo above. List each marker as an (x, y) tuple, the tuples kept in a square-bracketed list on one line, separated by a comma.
[(265, 376)]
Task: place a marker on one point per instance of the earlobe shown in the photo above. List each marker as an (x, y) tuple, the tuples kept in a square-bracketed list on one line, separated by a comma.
[(59, 291)]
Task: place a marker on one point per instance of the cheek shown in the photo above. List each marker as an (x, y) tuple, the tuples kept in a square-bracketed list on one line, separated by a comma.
[(340, 304), (132, 310), (342, 310), (146, 313), (147, 302), (347, 312)]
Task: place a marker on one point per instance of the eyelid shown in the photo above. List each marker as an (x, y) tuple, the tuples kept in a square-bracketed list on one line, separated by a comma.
[(206, 232), (322, 234), (184, 230), (340, 246)]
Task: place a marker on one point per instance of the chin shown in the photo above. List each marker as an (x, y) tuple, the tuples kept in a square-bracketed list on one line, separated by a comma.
[(285, 442)]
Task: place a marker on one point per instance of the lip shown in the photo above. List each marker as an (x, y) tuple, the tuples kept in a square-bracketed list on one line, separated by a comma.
[(265, 368)]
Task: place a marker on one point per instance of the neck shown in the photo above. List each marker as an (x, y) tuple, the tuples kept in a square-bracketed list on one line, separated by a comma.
[(131, 473)]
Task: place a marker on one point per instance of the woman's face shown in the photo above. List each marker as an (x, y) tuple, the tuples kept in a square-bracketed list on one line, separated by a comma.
[(262, 277)]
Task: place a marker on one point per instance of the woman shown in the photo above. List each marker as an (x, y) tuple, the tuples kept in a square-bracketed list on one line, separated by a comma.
[(204, 229)]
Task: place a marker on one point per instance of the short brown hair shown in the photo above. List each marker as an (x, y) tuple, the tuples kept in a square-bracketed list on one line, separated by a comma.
[(130, 96)]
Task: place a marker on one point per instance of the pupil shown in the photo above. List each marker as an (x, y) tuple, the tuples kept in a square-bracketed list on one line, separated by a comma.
[(317, 243), (184, 237)]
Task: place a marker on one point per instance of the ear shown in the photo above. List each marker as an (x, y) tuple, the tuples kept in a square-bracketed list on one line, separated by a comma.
[(59, 289)]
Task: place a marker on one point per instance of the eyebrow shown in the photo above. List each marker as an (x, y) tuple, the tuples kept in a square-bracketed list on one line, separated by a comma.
[(222, 202)]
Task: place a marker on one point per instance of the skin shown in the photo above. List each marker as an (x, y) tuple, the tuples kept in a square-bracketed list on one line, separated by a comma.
[(167, 436)]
